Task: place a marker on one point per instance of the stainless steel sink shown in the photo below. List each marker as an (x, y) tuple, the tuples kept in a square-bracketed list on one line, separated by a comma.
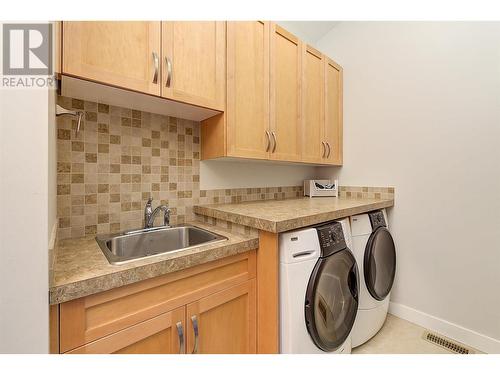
[(138, 244)]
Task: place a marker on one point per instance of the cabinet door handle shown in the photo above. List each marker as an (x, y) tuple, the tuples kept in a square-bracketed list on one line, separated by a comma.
[(194, 320), (180, 333), (169, 71), (156, 67), (328, 144), (275, 141), (268, 140), (324, 149)]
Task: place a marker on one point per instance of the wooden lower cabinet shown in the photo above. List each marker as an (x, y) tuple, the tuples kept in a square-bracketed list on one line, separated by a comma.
[(148, 317), (224, 323), (160, 335)]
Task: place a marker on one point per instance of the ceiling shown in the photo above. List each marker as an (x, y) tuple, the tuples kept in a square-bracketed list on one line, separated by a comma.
[(310, 31)]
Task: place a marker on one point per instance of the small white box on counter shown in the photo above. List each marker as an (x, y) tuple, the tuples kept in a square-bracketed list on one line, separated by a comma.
[(321, 188)]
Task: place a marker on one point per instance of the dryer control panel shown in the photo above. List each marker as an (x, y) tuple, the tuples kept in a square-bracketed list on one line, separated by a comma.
[(331, 238), (377, 219)]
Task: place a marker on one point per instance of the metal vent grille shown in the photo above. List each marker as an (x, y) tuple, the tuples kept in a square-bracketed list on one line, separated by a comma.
[(446, 343)]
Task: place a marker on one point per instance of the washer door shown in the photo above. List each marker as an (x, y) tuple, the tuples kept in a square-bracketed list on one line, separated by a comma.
[(380, 263), (332, 300)]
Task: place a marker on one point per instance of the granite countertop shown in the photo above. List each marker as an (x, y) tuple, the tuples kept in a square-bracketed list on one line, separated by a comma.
[(282, 215), (80, 268)]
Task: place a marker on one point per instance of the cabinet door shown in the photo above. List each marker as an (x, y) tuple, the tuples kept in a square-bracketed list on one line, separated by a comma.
[(313, 95), (285, 95), (193, 62), (163, 334), (123, 54), (223, 323), (248, 90), (333, 112)]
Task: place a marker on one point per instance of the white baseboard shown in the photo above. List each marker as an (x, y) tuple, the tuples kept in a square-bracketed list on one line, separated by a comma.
[(453, 331)]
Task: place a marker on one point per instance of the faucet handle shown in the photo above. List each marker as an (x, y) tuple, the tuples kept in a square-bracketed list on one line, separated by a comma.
[(150, 200)]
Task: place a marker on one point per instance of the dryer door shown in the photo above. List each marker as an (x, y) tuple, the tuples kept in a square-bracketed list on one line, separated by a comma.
[(380, 263), (332, 300)]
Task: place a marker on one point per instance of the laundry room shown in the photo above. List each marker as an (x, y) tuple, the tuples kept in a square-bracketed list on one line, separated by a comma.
[(312, 182)]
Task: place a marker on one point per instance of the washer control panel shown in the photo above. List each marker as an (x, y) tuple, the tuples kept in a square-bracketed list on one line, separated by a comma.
[(331, 238), (377, 219)]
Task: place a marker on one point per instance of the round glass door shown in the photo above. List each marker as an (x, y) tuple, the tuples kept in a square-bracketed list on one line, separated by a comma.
[(332, 300), (380, 263)]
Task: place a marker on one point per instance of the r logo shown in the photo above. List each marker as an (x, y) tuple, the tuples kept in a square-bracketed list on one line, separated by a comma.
[(27, 49)]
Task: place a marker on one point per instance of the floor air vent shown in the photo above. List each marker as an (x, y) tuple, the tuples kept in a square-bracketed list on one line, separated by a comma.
[(446, 343)]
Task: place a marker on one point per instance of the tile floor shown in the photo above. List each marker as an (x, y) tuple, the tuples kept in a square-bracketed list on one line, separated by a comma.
[(399, 336)]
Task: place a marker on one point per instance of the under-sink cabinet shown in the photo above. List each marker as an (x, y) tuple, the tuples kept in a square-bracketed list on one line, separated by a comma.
[(209, 308), (159, 335)]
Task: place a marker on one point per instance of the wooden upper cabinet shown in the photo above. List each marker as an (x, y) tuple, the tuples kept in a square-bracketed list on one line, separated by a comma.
[(333, 130), (123, 54), (193, 62), (224, 322), (286, 74), (57, 51), (281, 100), (164, 334), (247, 111), (313, 95)]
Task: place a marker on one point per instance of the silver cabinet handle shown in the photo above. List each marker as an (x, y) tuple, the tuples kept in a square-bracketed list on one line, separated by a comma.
[(156, 64), (180, 333), (324, 149), (268, 140), (328, 144), (169, 71), (194, 320), (275, 141)]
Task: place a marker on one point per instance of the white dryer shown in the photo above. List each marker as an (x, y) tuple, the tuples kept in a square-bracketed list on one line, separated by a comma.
[(318, 289), (375, 254)]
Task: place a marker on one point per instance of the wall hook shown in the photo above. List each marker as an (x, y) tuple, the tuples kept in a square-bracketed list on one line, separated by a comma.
[(60, 111)]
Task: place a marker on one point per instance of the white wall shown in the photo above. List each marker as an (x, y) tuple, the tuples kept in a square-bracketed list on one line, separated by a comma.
[(422, 113), (230, 174), (308, 31), (23, 220)]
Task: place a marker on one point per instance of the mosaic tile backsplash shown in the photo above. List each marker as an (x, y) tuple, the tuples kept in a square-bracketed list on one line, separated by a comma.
[(365, 192), (120, 157)]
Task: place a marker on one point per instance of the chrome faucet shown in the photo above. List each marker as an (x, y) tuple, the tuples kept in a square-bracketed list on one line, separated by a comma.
[(150, 214)]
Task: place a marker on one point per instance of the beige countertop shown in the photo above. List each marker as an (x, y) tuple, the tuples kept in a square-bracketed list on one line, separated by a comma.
[(282, 215), (80, 268)]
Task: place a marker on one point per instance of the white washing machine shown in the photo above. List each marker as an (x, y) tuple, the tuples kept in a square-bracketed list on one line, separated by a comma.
[(318, 289), (375, 254)]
